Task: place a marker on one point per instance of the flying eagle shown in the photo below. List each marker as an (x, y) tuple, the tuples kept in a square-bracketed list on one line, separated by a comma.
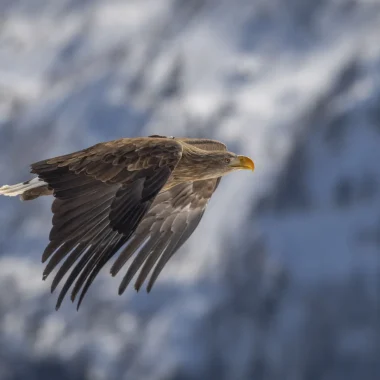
[(137, 196)]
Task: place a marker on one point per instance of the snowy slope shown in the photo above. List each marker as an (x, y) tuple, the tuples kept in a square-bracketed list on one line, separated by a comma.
[(281, 279)]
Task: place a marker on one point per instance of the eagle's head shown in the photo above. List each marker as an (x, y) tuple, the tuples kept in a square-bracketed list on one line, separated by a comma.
[(200, 164), (225, 162)]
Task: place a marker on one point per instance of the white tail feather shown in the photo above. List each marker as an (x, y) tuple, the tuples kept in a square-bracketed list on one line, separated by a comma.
[(20, 188)]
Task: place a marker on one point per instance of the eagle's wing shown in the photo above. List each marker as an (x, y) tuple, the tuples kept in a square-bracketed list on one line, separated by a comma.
[(171, 220), (102, 193)]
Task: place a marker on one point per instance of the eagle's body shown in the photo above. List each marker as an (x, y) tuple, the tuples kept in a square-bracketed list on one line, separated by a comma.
[(142, 196)]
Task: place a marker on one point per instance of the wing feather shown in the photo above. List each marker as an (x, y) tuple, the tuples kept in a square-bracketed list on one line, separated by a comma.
[(138, 261), (154, 255), (102, 261)]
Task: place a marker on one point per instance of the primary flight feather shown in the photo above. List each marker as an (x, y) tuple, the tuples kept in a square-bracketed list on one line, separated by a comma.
[(141, 197)]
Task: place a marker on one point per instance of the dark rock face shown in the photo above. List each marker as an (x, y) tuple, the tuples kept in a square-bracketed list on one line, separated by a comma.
[(282, 279)]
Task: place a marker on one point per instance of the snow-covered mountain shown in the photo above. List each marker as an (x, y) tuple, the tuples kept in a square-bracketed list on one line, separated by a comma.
[(281, 280)]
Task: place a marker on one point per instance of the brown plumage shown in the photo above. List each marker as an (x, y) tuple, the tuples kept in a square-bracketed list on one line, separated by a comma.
[(141, 197)]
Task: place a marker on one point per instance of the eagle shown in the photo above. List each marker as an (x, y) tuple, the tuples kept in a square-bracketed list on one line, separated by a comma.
[(140, 197)]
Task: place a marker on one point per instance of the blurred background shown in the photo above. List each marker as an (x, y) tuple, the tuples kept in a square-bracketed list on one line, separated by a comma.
[(282, 278)]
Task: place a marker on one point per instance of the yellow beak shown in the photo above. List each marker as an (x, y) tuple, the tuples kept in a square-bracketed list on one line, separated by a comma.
[(244, 162)]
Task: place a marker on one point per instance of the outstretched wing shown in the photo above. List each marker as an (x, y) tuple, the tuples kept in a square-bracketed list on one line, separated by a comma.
[(170, 221), (102, 193)]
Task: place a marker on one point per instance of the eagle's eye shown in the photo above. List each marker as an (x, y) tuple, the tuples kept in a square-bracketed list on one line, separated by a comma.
[(227, 160)]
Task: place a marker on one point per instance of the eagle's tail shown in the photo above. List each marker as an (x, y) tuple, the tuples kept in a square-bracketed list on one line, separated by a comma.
[(27, 190)]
